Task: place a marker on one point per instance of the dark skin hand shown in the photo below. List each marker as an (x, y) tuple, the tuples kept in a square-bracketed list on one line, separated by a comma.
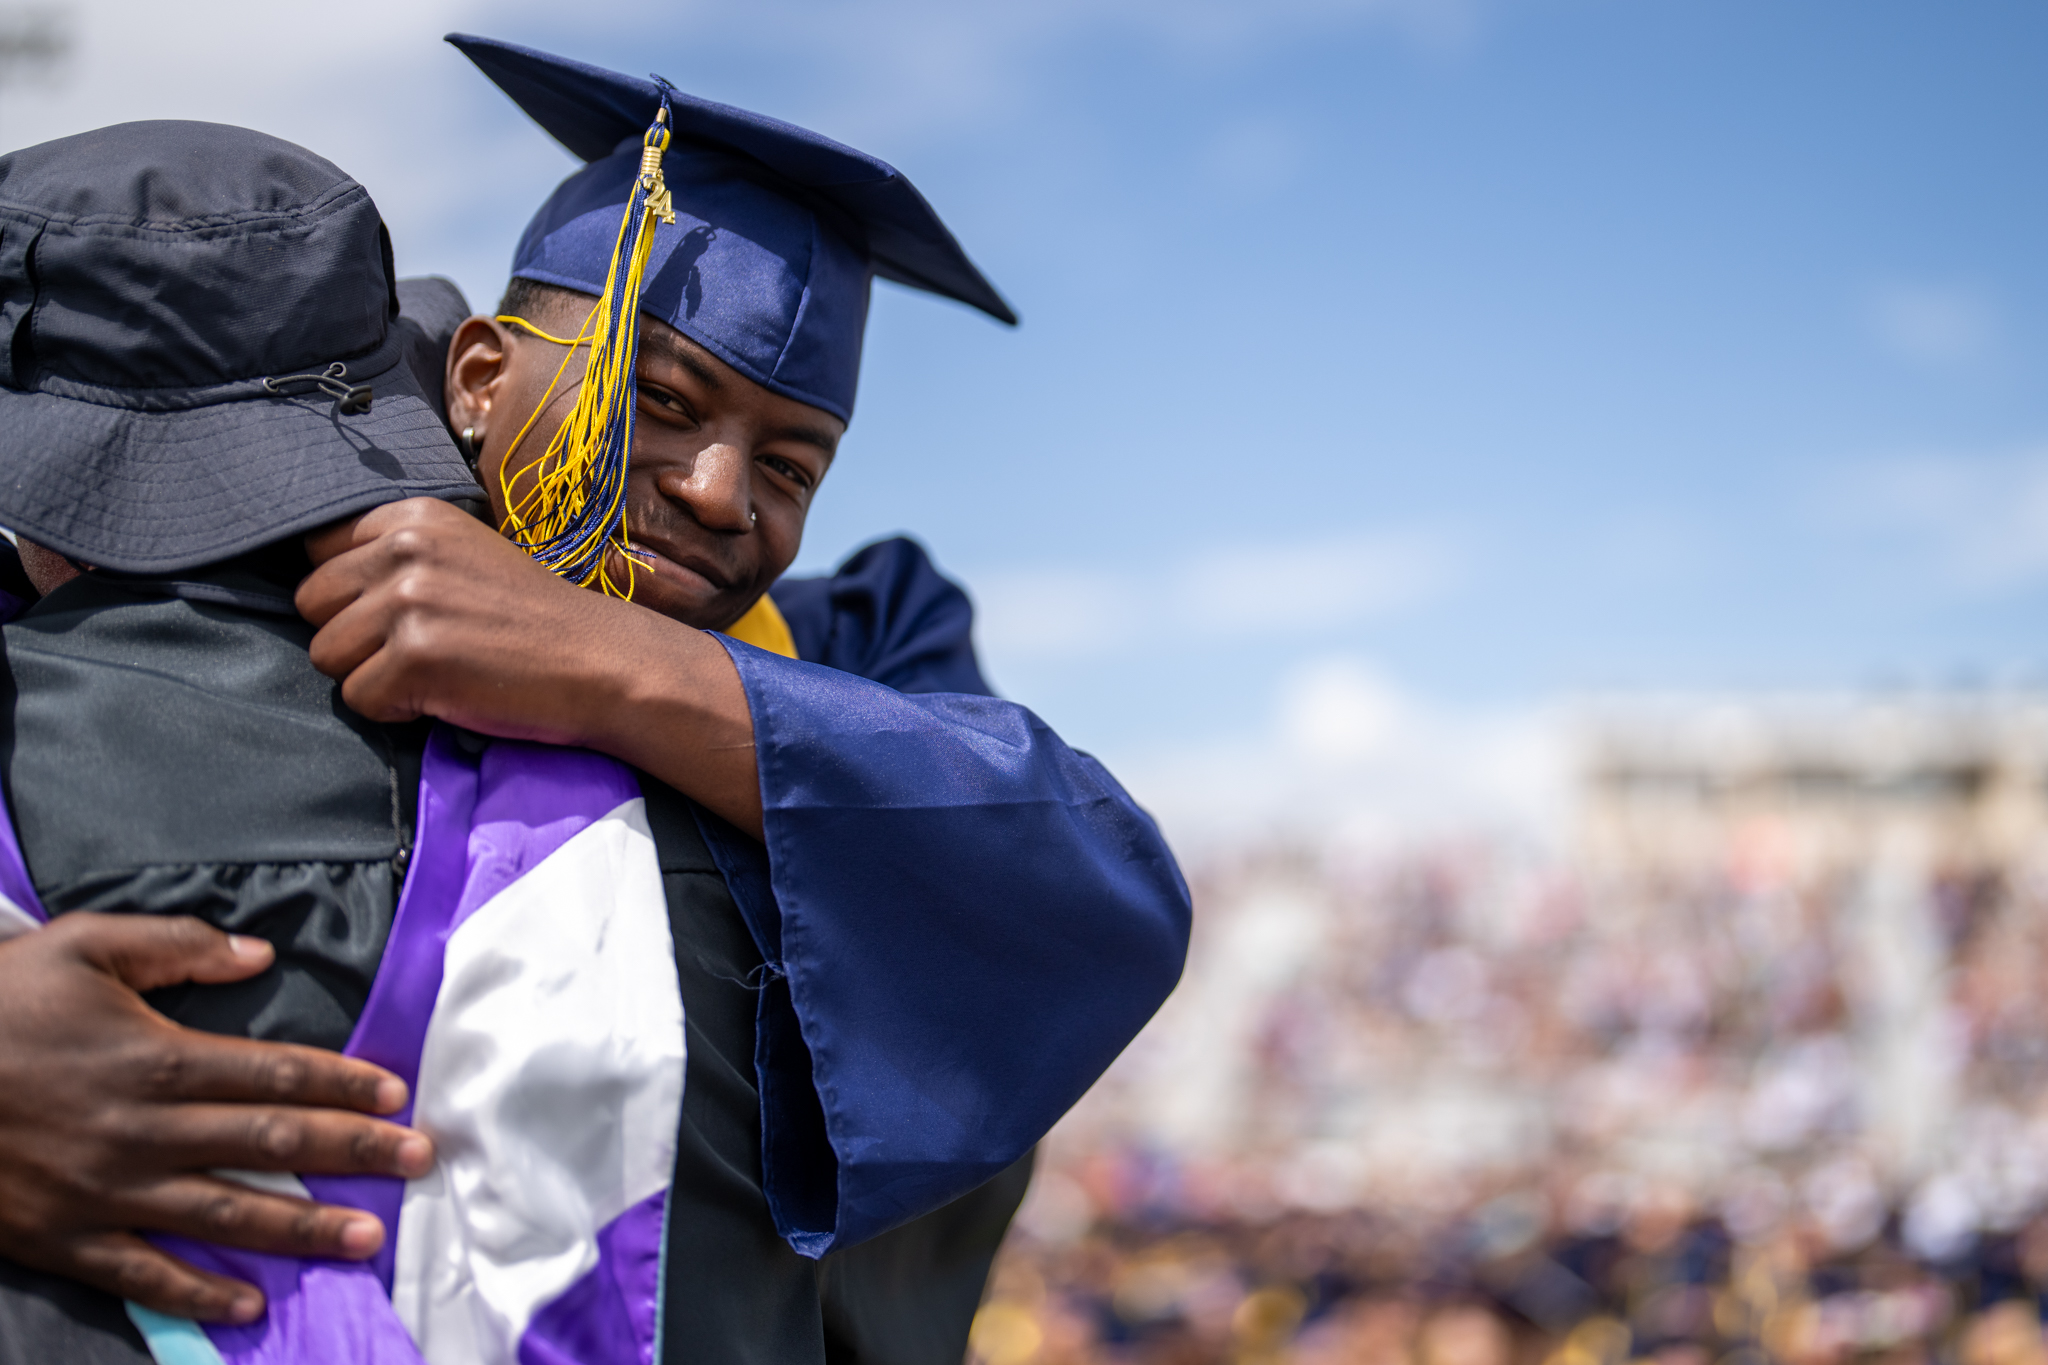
[(111, 1116), (423, 611)]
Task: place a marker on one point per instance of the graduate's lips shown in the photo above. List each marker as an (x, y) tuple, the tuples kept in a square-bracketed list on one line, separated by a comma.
[(678, 566)]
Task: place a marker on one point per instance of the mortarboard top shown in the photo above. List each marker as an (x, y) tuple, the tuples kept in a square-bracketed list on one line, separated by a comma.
[(778, 230)]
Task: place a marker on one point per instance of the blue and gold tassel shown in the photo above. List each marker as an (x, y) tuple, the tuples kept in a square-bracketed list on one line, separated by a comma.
[(573, 513)]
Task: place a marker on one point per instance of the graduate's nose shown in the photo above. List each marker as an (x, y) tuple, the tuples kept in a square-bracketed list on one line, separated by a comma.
[(717, 488)]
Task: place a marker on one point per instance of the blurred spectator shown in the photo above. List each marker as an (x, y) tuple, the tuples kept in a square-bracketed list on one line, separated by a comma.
[(1469, 1107)]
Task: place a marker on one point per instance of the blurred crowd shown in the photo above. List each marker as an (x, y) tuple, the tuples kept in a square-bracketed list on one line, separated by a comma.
[(1477, 1108)]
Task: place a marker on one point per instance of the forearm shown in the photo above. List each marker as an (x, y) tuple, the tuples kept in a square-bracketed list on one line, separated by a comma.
[(675, 709), (423, 612)]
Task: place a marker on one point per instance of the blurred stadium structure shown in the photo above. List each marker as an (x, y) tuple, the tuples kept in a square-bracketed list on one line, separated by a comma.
[(1756, 1069)]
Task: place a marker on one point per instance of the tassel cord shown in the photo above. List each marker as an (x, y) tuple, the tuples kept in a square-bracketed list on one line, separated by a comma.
[(572, 514)]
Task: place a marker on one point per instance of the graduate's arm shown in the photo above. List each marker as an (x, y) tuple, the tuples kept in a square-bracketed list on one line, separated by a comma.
[(966, 920), (112, 1118), (424, 611), (972, 918)]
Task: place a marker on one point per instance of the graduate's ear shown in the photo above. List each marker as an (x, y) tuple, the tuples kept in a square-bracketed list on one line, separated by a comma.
[(476, 362)]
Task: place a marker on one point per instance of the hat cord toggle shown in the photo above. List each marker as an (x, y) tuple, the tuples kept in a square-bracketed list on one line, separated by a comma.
[(571, 511), (349, 399)]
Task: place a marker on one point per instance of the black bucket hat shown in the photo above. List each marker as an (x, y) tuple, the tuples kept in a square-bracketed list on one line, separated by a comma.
[(199, 349)]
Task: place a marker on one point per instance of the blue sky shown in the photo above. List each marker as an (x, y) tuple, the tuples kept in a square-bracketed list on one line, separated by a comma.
[(1496, 352), (1591, 344)]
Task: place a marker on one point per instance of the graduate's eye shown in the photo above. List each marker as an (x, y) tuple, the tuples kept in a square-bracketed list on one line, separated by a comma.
[(666, 403), (788, 470)]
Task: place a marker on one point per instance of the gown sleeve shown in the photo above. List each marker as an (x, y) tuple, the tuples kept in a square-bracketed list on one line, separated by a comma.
[(964, 919)]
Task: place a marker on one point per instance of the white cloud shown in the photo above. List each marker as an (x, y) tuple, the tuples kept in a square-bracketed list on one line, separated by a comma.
[(374, 90), (1048, 613), (1339, 711), (456, 172), (283, 68), (1231, 24), (1055, 613), (886, 67), (1292, 590), (1313, 585), (1981, 522), (1937, 325), (1345, 755)]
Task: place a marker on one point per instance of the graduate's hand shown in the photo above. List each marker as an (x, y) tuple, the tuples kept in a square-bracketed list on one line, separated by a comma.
[(112, 1117), (424, 611)]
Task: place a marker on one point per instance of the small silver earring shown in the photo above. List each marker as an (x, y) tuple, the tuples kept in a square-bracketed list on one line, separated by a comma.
[(469, 442), (753, 516)]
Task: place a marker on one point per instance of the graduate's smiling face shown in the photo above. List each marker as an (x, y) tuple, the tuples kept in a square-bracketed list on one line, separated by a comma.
[(722, 472)]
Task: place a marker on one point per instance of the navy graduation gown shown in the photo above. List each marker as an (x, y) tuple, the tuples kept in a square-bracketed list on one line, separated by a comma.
[(965, 919)]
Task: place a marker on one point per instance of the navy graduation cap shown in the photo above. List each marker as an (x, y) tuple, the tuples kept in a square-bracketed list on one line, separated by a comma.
[(777, 230), (754, 238)]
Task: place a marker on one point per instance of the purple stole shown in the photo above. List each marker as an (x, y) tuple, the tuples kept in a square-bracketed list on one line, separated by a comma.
[(528, 996)]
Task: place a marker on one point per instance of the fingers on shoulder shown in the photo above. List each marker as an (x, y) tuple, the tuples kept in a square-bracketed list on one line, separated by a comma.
[(382, 686), (215, 1210), (123, 1264), (301, 1139), (151, 951), (351, 558), (242, 1071), (339, 537)]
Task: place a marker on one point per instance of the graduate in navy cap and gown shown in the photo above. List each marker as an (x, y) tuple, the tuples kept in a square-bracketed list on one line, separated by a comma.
[(952, 921)]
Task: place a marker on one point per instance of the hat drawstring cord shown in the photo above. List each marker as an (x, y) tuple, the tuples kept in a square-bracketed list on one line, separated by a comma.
[(349, 399)]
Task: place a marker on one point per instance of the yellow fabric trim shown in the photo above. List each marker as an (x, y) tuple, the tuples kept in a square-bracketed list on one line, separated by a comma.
[(763, 628)]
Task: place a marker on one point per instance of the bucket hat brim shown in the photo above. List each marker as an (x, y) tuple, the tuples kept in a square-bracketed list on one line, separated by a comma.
[(144, 482)]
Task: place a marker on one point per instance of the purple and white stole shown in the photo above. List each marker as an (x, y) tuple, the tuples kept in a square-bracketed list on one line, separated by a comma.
[(528, 995)]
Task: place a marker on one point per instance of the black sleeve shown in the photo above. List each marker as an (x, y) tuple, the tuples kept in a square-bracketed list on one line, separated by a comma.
[(909, 1296), (45, 1318)]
